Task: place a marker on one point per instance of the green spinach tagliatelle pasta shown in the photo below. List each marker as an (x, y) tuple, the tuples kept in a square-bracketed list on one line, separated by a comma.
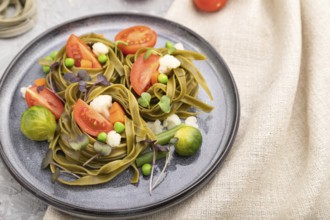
[(182, 89)]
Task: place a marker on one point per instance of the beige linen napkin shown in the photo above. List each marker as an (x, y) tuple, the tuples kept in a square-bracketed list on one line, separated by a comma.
[(278, 168)]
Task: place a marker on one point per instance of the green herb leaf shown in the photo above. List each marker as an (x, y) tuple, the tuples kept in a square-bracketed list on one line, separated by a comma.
[(47, 160), (164, 104), (144, 100), (102, 148), (79, 142)]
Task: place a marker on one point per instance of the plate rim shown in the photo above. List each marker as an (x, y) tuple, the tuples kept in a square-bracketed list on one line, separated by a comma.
[(136, 212)]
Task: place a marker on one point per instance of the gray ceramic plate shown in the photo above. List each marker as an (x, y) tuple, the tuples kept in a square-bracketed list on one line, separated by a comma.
[(118, 198)]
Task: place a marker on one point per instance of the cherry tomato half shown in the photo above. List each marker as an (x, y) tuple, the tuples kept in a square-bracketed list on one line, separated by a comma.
[(136, 37), (89, 120), (141, 72), (77, 49), (45, 98), (210, 5)]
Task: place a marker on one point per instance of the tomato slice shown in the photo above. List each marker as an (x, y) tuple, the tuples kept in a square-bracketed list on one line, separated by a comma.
[(89, 120), (136, 37), (45, 98), (141, 72), (210, 5), (77, 49)]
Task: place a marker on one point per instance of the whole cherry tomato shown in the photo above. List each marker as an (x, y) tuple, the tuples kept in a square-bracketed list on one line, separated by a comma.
[(210, 5)]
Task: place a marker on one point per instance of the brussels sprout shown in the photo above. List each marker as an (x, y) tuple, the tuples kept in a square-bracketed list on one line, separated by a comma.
[(189, 140), (38, 124)]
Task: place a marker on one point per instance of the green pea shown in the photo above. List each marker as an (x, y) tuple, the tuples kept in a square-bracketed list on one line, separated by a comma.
[(119, 127), (169, 44), (102, 137), (102, 58), (146, 169), (53, 54), (162, 78), (46, 69), (69, 62), (48, 58)]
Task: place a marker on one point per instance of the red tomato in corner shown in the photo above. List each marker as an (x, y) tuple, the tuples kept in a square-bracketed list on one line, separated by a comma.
[(45, 98), (141, 72), (77, 49), (89, 120), (210, 5), (136, 37)]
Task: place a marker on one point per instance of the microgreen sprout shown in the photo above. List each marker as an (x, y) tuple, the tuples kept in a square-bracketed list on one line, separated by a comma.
[(165, 104), (48, 160), (54, 65), (155, 148), (50, 81), (144, 100), (55, 175), (101, 80), (79, 142), (82, 78), (51, 66), (101, 149)]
